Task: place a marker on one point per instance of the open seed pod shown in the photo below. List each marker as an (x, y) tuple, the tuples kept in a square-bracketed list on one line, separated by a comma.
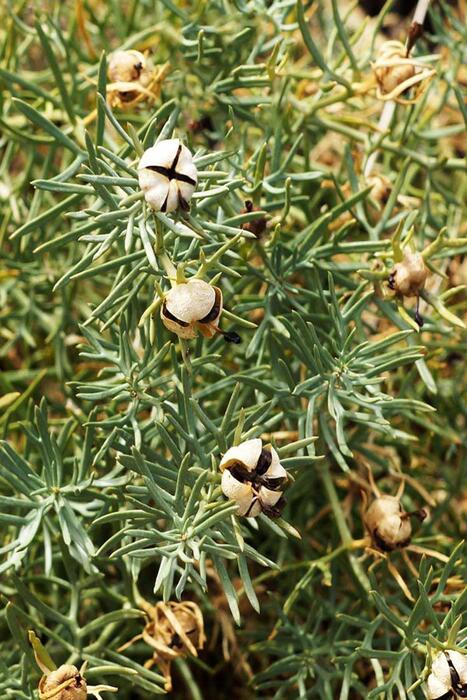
[(131, 78), (388, 524), (448, 677), (167, 175), (395, 72), (174, 630), (66, 683), (254, 478), (192, 306), (409, 276)]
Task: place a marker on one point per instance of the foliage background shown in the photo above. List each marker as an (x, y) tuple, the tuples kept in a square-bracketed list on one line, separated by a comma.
[(113, 431)]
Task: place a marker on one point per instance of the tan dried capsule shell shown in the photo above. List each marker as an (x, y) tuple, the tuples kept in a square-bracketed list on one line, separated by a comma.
[(175, 629), (126, 66), (395, 72), (192, 306), (66, 683), (388, 524), (409, 276)]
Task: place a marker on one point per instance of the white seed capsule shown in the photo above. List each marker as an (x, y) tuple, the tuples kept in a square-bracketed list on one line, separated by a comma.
[(167, 175), (448, 677), (192, 306), (254, 477), (126, 66), (389, 526)]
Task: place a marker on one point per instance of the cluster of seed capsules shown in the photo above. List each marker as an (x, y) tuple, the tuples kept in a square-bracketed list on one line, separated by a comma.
[(252, 475)]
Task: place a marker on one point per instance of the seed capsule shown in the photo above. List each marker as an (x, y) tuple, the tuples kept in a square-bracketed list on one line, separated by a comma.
[(66, 683), (130, 76), (192, 306), (254, 478), (126, 66), (409, 276), (448, 677), (167, 175), (395, 72), (388, 524)]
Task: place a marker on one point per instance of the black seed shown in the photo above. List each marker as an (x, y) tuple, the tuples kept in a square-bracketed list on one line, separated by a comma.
[(264, 462), (391, 280), (232, 337), (419, 320)]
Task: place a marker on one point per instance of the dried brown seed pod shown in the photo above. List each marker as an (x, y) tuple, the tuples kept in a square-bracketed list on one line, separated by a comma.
[(388, 524), (66, 683), (175, 629)]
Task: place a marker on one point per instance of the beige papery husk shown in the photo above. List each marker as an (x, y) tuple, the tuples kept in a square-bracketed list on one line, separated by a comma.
[(174, 630), (396, 72), (133, 79)]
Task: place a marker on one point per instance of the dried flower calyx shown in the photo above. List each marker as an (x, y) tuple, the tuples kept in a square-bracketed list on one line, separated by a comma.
[(253, 476), (448, 677), (396, 71), (388, 524), (167, 175), (174, 630), (194, 306)]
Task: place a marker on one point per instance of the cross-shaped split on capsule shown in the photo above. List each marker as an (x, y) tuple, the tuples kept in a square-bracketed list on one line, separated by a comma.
[(172, 174)]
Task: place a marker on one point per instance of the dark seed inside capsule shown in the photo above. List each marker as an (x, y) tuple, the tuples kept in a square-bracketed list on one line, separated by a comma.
[(446, 696), (170, 316), (213, 314), (264, 462), (273, 483), (386, 546), (274, 511), (458, 687), (241, 473)]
